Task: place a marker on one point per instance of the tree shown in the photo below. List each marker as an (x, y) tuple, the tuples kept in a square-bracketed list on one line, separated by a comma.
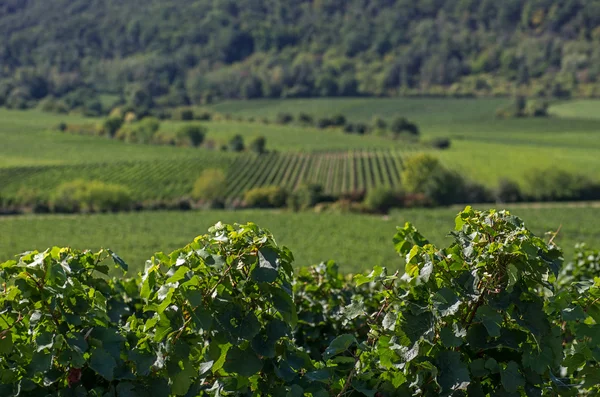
[(258, 145), (210, 186), (191, 135), (236, 144), (401, 124), (111, 125)]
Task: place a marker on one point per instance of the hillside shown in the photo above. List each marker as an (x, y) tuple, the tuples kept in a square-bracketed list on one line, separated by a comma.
[(153, 52)]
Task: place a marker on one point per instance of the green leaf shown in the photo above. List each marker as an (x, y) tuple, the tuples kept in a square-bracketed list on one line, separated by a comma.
[(492, 365), (478, 369), (339, 345), (449, 339), (44, 341), (242, 362), (513, 277), (446, 302), (181, 377), (454, 374), (511, 378), (573, 313), (205, 367), (389, 321), (490, 319), (143, 361), (103, 363), (178, 275), (285, 305), (266, 271), (418, 326), (40, 362), (6, 343), (361, 279), (354, 309), (119, 261)]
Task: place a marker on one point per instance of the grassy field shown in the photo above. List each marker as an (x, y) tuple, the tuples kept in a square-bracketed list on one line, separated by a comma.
[(583, 109), (483, 147), (357, 242)]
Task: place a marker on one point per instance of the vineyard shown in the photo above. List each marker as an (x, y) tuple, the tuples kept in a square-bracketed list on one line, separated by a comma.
[(337, 172), (494, 313)]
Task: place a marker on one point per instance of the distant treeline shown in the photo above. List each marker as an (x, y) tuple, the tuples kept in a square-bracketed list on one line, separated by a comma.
[(155, 53)]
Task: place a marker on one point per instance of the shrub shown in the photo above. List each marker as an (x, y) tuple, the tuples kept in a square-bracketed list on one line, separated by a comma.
[(266, 197), (401, 124), (139, 132), (53, 105), (203, 116), (424, 174), (305, 197), (210, 185), (417, 170), (537, 109), (440, 143), (558, 185), (258, 145), (111, 125), (183, 114), (90, 196), (284, 118), (190, 135), (382, 199), (338, 120), (508, 192), (236, 144), (493, 313), (378, 123), (62, 126), (324, 122), (305, 119)]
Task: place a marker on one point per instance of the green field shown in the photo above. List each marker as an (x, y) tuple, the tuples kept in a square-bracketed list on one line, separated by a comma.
[(483, 147), (312, 237)]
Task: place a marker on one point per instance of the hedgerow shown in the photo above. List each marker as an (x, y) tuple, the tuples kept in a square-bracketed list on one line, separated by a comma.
[(494, 313)]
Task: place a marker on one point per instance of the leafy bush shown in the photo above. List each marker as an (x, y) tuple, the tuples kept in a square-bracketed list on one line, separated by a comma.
[(258, 145), (324, 122), (508, 192), (284, 118), (424, 174), (225, 315), (338, 120), (266, 197), (559, 185), (62, 126), (236, 144), (90, 196), (138, 132), (210, 185), (382, 199), (183, 115), (53, 105), (305, 119), (357, 128), (378, 123), (440, 143), (190, 135), (306, 196), (111, 125), (401, 124), (203, 116)]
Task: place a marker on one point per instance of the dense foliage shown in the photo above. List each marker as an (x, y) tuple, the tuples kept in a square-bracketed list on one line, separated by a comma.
[(173, 53), (492, 314)]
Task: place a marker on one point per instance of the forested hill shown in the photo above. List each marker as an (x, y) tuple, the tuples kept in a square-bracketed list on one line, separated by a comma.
[(182, 51)]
